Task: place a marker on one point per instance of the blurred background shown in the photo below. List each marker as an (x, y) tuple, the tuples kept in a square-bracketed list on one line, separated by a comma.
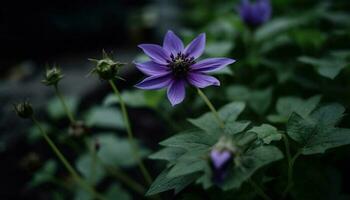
[(34, 34)]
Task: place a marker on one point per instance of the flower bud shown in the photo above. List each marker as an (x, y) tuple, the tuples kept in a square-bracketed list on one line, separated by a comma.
[(221, 157), (78, 129), (52, 76), (255, 13), (106, 68), (24, 109)]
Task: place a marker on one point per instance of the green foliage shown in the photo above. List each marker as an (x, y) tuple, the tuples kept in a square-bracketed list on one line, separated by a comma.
[(266, 133), (137, 98), (115, 151), (45, 174), (328, 67), (56, 110), (105, 117), (317, 132), (285, 106), (252, 160)]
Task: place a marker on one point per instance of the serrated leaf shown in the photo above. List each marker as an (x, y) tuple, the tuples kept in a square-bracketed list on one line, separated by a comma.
[(285, 106), (267, 133), (185, 167), (228, 113), (105, 117), (168, 154), (163, 183), (251, 161), (233, 128), (317, 133), (193, 139), (190, 162)]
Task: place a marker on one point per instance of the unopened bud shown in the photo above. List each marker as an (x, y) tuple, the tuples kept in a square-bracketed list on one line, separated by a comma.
[(106, 68), (52, 76), (221, 157), (24, 109)]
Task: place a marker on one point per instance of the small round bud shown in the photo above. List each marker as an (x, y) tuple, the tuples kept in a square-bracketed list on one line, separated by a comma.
[(24, 109), (78, 129), (52, 76), (106, 68)]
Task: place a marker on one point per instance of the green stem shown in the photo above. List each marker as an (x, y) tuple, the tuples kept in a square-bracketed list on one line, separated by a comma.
[(93, 155), (67, 165), (63, 102), (290, 174), (259, 190), (211, 107), (135, 149)]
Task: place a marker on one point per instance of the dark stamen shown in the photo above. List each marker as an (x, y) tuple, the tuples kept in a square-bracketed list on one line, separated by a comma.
[(180, 64)]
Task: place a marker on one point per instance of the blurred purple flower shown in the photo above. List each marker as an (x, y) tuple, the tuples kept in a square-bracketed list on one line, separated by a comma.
[(173, 66), (255, 13), (220, 160)]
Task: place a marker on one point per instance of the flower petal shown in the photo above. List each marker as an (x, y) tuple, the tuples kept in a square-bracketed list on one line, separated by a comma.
[(155, 82), (151, 68), (196, 47), (211, 64), (220, 158), (176, 92), (156, 53), (201, 80), (172, 43)]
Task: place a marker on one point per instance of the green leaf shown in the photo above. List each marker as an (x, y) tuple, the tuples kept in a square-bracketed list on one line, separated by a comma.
[(267, 133), (218, 49), (285, 106), (328, 67), (233, 128), (105, 117), (45, 174), (92, 172), (251, 161), (229, 113), (169, 154), (258, 100), (317, 132), (192, 139), (164, 183), (115, 151), (190, 162), (56, 110), (136, 98), (116, 192)]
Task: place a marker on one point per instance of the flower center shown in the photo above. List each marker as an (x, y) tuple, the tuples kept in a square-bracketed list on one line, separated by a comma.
[(180, 64)]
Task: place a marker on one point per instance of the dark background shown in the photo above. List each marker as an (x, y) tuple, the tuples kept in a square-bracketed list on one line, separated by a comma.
[(36, 33)]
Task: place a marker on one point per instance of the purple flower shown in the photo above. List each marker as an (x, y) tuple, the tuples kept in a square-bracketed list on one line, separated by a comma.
[(220, 160), (173, 66), (255, 14)]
